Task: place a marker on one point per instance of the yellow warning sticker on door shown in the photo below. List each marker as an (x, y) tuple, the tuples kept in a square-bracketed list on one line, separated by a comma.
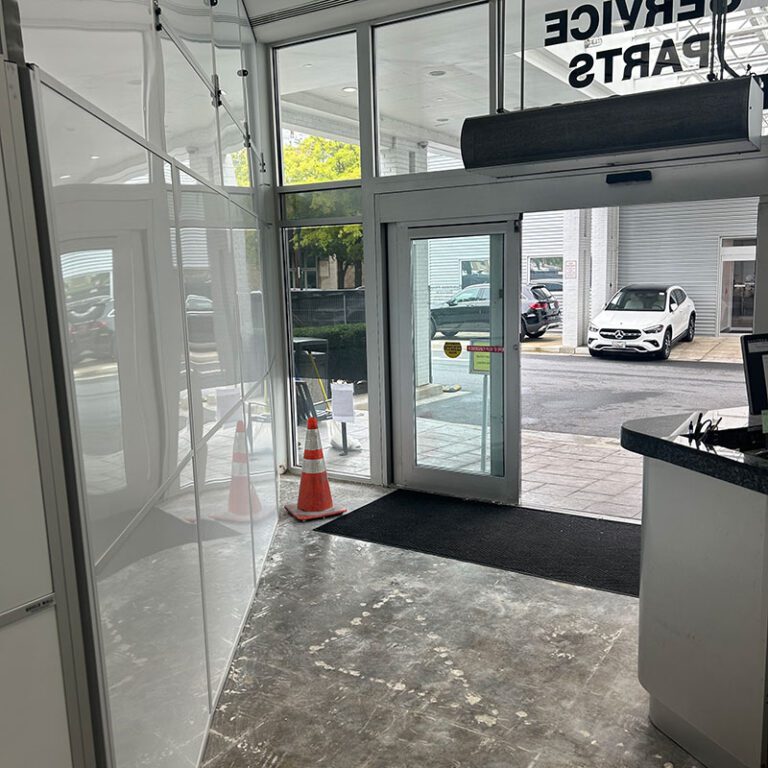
[(452, 349)]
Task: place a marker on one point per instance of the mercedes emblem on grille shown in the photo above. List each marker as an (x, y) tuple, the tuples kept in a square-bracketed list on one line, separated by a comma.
[(619, 334)]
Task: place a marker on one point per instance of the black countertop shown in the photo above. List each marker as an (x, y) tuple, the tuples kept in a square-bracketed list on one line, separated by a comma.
[(666, 438)]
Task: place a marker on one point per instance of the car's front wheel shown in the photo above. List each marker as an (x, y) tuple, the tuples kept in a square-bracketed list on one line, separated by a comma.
[(449, 334), (691, 328), (595, 352), (432, 329), (536, 334), (666, 346)]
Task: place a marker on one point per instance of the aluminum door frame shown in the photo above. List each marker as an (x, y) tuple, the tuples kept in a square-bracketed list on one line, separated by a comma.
[(405, 472)]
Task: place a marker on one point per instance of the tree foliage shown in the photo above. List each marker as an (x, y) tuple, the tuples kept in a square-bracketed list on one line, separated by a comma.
[(315, 159)]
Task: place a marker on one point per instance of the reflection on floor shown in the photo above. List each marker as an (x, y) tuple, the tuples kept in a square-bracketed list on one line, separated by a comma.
[(361, 655)]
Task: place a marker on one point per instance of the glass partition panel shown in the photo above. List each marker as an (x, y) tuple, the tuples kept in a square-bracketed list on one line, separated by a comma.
[(432, 72), (94, 48), (227, 502), (227, 25), (346, 202), (325, 267), (189, 117), (120, 310), (320, 130), (211, 316), (576, 51), (190, 20), (246, 251), (235, 158)]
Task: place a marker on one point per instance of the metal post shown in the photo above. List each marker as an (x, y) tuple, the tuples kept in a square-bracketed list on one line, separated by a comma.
[(484, 429)]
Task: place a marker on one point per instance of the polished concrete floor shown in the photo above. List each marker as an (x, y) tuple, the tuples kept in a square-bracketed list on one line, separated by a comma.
[(362, 656)]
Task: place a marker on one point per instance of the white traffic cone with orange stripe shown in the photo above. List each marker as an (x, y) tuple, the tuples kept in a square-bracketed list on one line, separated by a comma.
[(315, 500), (243, 499)]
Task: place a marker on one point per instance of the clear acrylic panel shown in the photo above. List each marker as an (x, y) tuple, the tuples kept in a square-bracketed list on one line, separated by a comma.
[(75, 39), (227, 503), (248, 266), (458, 393), (211, 313), (227, 26), (121, 313), (319, 121), (190, 20), (235, 157), (432, 72), (191, 132)]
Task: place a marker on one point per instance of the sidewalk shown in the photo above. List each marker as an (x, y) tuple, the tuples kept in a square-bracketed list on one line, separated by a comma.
[(560, 472), (703, 349)]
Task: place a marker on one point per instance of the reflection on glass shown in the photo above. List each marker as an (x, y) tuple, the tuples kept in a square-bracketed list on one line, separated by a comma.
[(73, 39), (325, 265), (190, 20), (88, 278), (235, 159), (228, 23), (212, 323), (431, 74), (227, 504), (119, 290), (317, 84), (150, 606), (458, 392), (190, 116), (246, 251), (345, 202)]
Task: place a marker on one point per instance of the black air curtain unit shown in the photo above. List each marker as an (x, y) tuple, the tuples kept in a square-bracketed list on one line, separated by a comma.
[(709, 118)]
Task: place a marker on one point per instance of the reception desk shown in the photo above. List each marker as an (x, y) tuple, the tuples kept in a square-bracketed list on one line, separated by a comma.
[(703, 640)]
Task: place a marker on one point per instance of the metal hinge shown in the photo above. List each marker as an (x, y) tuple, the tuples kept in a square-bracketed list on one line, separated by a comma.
[(262, 163), (216, 91), (157, 11)]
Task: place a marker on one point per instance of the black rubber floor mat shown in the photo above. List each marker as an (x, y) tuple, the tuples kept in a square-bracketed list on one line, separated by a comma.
[(601, 554)]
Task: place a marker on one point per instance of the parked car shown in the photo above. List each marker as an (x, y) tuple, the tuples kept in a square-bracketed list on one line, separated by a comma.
[(91, 328), (470, 311), (644, 320)]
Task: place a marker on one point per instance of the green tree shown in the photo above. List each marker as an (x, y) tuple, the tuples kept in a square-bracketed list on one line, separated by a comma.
[(315, 159)]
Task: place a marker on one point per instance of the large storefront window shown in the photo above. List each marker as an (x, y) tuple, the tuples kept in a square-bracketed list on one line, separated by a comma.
[(325, 274), (431, 74), (319, 122), (575, 51)]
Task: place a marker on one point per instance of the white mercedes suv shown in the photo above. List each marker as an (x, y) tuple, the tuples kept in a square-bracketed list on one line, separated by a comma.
[(643, 319)]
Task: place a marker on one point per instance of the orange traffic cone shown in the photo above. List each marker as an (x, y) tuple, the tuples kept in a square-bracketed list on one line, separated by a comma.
[(240, 488), (315, 500)]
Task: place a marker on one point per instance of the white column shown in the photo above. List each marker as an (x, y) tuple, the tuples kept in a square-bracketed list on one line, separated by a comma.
[(605, 257), (577, 237), (760, 323)]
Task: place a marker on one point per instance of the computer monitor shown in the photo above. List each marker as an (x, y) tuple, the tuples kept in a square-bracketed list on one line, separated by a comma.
[(754, 352)]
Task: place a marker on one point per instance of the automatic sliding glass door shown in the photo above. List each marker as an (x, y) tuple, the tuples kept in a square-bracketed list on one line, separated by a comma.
[(455, 346)]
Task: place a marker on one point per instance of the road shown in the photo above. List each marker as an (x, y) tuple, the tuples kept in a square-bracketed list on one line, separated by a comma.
[(582, 395), (560, 393)]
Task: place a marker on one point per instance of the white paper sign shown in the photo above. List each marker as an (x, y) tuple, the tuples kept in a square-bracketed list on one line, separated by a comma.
[(343, 403)]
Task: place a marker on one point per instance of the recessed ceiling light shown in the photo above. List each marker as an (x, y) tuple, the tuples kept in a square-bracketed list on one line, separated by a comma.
[(437, 73), (65, 177), (349, 89), (95, 157), (307, 66)]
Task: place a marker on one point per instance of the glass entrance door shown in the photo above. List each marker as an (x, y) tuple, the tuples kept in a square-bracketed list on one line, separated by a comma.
[(455, 364)]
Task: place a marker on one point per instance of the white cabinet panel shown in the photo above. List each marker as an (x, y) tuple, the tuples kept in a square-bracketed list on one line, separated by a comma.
[(24, 567), (33, 720)]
